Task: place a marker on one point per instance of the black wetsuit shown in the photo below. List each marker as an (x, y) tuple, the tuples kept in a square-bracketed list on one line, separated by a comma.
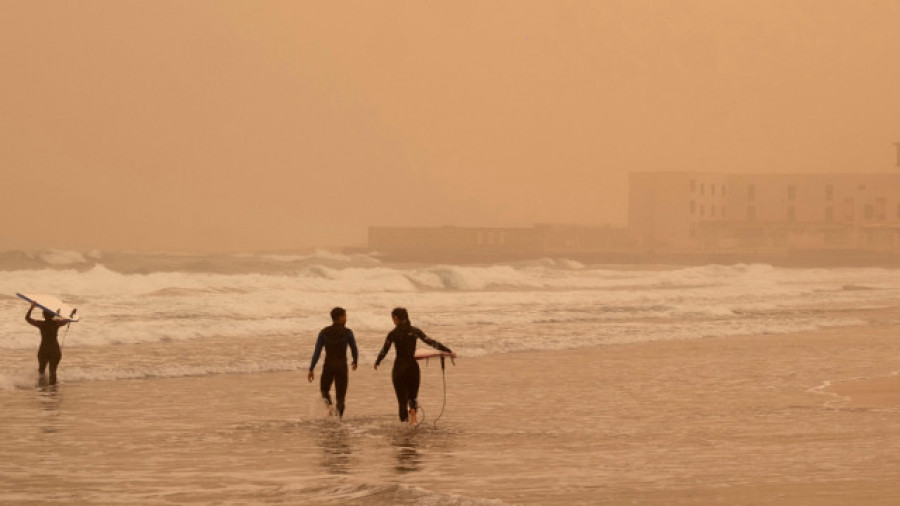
[(49, 351), (405, 373), (335, 340)]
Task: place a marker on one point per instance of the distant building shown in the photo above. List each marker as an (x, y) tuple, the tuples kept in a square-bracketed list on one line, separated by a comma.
[(693, 210), (691, 216)]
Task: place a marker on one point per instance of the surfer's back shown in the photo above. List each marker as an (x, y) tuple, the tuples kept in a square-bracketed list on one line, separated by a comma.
[(335, 339)]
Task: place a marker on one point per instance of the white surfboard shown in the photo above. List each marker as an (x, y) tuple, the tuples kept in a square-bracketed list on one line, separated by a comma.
[(52, 304)]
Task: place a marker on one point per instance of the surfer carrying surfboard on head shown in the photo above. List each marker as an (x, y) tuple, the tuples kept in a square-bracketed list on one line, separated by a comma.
[(335, 339), (405, 374), (49, 351)]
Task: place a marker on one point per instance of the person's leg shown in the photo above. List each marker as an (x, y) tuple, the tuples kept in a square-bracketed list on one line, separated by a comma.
[(325, 384), (413, 391), (340, 388), (42, 362), (54, 363), (400, 390)]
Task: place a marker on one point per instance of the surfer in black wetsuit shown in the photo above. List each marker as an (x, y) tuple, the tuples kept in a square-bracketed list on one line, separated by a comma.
[(49, 351), (405, 374), (335, 340)]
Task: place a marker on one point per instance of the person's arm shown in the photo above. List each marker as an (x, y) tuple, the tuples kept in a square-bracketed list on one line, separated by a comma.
[(431, 342), (384, 350), (353, 350), (28, 317), (320, 342)]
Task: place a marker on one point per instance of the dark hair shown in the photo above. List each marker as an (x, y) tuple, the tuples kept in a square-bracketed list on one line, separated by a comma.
[(48, 315), (400, 313), (337, 312)]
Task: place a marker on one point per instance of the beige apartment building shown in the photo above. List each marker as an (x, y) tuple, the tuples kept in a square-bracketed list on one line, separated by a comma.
[(760, 212)]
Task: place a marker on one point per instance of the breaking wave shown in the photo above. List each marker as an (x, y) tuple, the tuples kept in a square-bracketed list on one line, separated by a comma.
[(536, 305)]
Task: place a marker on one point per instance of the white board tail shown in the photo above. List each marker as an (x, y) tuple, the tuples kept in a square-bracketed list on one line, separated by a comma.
[(52, 304)]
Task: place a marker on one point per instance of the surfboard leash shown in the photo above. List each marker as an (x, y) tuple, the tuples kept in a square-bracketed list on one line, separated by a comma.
[(69, 323), (444, 403), (420, 409)]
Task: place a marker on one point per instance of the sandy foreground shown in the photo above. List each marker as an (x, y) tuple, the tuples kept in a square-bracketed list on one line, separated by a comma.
[(814, 417), (870, 393)]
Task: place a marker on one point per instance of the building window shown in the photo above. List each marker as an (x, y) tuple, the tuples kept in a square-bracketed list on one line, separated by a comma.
[(869, 212), (791, 213), (693, 207), (880, 209), (751, 192), (861, 187), (723, 190), (702, 189), (848, 209), (712, 211), (792, 193), (751, 213), (712, 189), (702, 211), (829, 192), (829, 214)]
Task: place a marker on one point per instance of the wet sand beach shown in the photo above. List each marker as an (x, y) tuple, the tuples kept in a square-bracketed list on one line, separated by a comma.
[(780, 419)]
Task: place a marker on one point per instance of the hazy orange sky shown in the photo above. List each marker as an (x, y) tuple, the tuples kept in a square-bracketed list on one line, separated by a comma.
[(235, 125)]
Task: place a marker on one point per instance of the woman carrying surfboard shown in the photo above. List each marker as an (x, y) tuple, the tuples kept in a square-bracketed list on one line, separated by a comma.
[(405, 374), (49, 351)]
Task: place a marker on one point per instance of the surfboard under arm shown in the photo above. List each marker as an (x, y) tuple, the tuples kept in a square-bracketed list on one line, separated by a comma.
[(431, 353)]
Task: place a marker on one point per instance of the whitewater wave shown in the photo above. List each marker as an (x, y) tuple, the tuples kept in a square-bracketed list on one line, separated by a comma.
[(101, 280), (533, 297)]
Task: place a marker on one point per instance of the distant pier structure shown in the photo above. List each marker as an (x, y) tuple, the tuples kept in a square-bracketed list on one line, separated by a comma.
[(451, 243)]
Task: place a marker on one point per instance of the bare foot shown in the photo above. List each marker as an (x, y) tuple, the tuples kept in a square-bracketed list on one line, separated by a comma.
[(412, 416)]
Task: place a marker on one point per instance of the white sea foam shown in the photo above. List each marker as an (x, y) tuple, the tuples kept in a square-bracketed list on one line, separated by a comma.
[(10, 380), (482, 309)]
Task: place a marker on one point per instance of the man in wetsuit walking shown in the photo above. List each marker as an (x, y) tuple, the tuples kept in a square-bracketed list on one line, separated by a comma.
[(335, 339), (405, 373), (49, 351)]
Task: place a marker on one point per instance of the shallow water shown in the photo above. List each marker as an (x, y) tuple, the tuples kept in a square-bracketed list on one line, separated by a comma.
[(567, 427), (576, 384)]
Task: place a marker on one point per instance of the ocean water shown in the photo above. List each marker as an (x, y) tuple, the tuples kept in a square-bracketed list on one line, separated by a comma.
[(185, 378)]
